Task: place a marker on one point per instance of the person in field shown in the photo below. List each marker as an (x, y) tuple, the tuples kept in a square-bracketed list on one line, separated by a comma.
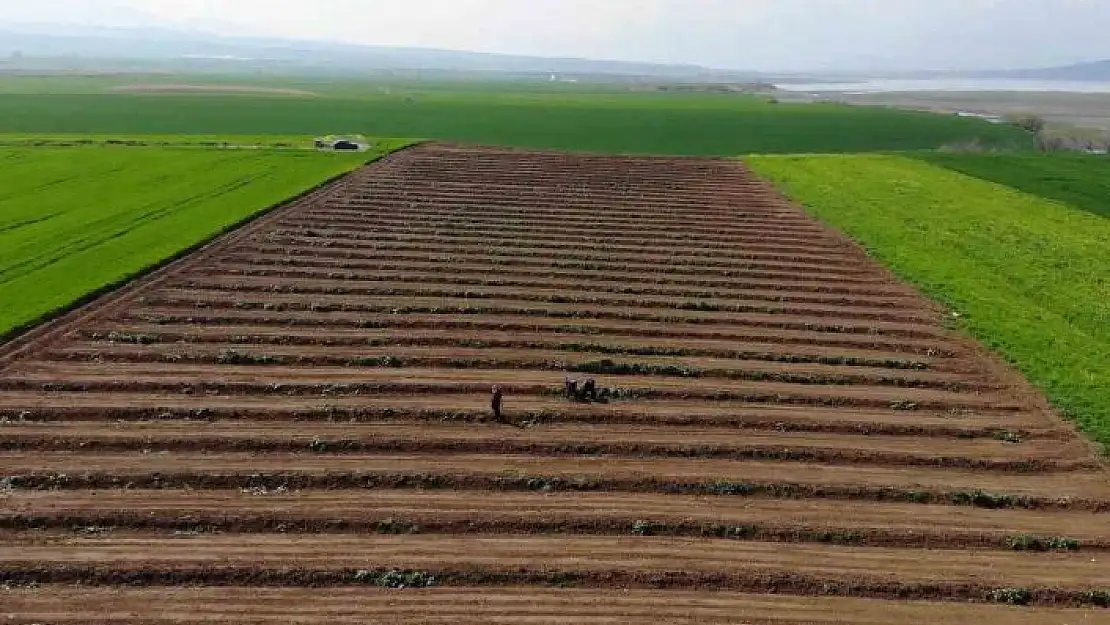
[(586, 391), (495, 403), (570, 388), (589, 390)]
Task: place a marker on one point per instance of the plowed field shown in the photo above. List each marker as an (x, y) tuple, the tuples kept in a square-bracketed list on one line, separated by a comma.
[(294, 423)]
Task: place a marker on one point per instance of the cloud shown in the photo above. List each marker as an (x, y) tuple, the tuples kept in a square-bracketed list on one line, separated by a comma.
[(741, 34)]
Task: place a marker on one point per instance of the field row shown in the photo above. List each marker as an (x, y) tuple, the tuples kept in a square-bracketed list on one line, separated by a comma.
[(506, 605), (393, 511), (1080, 489), (29, 407)]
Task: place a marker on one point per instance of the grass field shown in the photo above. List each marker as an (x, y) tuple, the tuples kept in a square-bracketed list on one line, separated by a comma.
[(1079, 180), (1028, 276), (303, 142), (586, 118), (74, 220)]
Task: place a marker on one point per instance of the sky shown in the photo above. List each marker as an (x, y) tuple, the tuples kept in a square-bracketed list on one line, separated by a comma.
[(765, 35)]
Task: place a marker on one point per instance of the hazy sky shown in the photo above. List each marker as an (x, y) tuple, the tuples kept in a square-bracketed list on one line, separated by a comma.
[(733, 34)]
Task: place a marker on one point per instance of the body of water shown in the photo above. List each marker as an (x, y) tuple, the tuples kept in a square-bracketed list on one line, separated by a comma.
[(954, 85)]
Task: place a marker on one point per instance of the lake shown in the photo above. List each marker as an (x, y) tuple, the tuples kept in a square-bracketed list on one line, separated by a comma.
[(946, 84)]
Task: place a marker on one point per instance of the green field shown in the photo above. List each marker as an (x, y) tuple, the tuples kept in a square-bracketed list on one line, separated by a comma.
[(1029, 277), (1080, 180), (301, 142), (583, 118), (76, 220)]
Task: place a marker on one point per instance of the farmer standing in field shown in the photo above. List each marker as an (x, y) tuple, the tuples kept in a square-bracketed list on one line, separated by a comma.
[(495, 403)]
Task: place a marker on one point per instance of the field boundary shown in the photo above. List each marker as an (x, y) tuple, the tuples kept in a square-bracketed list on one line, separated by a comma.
[(1007, 366), (102, 299)]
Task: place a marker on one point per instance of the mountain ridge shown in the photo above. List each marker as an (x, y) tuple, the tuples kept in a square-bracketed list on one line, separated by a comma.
[(172, 44)]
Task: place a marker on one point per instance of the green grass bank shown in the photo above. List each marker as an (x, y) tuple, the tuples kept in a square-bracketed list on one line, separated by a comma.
[(1030, 276), (1080, 180), (76, 220)]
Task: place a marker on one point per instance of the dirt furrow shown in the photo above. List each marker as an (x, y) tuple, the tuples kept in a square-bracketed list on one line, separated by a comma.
[(467, 512), (784, 287), (577, 295), (326, 322), (769, 291), (676, 257), (360, 251), (489, 357), (426, 209), (397, 305), (337, 381), (1082, 489), (590, 239), (68, 605), (553, 439), (470, 224), (563, 243), (33, 406), (863, 570), (120, 332)]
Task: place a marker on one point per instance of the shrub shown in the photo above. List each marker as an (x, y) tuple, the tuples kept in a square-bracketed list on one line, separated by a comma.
[(734, 531), (1029, 542), (1008, 437), (982, 499), (392, 362), (1100, 598), (1030, 123), (731, 488), (395, 526), (1011, 596), (394, 578), (231, 357), (137, 339)]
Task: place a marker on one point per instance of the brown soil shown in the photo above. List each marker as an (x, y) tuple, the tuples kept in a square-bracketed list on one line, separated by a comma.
[(328, 321), (739, 563), (272, 410), (338, 381), (502, 606), (256, 335), (554, 439), (520, 357), (34, 406), (234, 470), (418, 511)]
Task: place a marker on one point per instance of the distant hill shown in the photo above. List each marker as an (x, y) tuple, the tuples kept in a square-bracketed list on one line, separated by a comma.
[(34, 47), (80, 46), (1095, 71)]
